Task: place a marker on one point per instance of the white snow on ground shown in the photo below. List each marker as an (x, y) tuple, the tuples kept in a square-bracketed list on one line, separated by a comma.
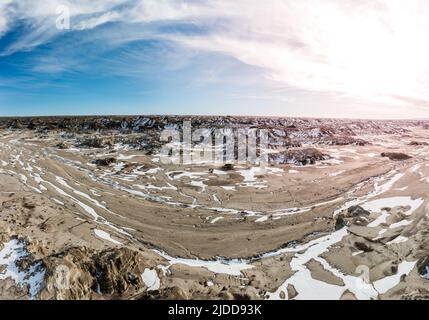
[(153, 171), (312, 289), (293, 171), (249, 179), (399, 239), (416, 167), (176, 175), (232, 267), (23, 178), (61, 181), (152, 187), (123, 157), (379, 204), (378, 189), (216, 219), (105, 236), (262, 219), (402, 189), (95, 193), (296, 210), (387, 283), (229, 188), (276, 171), (425, 179), (250, 176), (334, 174), (58, 201), (199, 184), (85, 207), (119, 166), (151, 279), (402, 223), (381, 219), (33, 278), (219, 172), (215, 198), (309, 288), (195, 177), (371, 154)]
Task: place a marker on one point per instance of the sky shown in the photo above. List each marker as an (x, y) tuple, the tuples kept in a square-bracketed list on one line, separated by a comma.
[(311, 58)]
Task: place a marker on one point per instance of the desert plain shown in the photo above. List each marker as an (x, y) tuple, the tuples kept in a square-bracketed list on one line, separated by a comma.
[(88, 211)]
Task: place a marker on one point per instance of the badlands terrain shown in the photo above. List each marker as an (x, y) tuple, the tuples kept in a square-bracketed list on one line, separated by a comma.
[(88, 211)]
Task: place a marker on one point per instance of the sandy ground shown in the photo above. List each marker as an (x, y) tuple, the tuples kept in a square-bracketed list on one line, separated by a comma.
[(139, 229)]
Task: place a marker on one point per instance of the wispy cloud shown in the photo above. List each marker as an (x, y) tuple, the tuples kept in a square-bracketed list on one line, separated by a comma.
[(369, 50)]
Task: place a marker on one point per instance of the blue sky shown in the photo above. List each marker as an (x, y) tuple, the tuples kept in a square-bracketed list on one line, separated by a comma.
[(326, 58)]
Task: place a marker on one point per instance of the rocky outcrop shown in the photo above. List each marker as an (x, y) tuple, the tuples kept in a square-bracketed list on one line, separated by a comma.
[(423, 267), (291, 291), (299, 156), (363, 247), (343, 140), (293, 131), (418, 143), (356, 211), (104, 162), (340, 222), (14, 125), (227, 167), (354, 215), (396, 156), (61, 146), (80, 273), (96, 142)]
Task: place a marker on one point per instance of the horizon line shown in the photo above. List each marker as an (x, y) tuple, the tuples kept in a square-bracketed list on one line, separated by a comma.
[(207, 115)]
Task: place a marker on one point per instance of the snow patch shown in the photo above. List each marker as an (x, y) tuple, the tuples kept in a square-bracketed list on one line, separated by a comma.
[(151, 279), (105, 236)]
